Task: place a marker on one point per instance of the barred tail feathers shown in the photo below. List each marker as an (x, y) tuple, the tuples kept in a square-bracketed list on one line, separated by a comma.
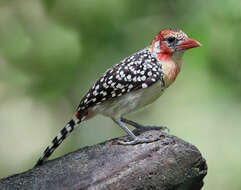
[(58, 140)]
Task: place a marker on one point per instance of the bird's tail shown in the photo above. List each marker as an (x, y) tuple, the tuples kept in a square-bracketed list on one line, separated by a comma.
[(57, 140)]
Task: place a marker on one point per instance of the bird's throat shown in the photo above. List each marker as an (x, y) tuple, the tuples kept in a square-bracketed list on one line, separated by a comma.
[(171, 65)]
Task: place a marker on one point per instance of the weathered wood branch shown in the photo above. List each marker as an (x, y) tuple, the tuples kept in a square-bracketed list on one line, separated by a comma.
[(167, 164)]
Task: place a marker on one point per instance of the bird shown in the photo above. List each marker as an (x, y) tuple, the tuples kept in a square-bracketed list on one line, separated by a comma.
[(134, 82)]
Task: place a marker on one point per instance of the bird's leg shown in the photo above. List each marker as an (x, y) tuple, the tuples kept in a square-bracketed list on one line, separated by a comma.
[(135, 139), (144, 128)]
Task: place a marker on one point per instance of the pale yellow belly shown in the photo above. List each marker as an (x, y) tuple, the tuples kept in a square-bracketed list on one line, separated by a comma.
[(130, 101)]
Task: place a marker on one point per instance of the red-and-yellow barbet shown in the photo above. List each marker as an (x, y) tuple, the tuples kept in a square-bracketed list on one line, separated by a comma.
[(133, 83)]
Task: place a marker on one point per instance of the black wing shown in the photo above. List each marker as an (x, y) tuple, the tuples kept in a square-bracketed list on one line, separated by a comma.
[(137, 71)]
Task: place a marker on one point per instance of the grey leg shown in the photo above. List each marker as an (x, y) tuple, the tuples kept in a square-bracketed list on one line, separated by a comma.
[(144, 128), (135, 139)]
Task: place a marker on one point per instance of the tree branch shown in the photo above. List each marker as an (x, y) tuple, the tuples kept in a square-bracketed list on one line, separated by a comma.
[(167, 164)]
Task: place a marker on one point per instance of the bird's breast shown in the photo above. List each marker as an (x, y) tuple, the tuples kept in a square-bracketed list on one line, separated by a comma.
[(171, 70), (131, 101)]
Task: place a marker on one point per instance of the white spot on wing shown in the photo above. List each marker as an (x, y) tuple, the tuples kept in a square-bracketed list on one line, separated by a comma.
[(144, 85), (130, 86), (105, 85), (143, 78)]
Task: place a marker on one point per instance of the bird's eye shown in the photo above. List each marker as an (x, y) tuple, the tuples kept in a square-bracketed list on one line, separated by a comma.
[(171, 39)]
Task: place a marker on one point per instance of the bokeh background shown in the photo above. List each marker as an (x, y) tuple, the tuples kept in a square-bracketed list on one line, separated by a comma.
[(51, 51)]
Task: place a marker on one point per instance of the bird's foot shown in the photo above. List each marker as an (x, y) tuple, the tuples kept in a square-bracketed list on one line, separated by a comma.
[(140, 127), (138, 140), (160, 128), (138, 130)]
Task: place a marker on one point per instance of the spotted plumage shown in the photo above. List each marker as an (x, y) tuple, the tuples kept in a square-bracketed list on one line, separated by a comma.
[(137, 71), (135, 82)]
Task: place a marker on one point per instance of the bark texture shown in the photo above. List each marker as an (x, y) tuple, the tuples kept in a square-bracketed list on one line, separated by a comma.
[(167, 164)]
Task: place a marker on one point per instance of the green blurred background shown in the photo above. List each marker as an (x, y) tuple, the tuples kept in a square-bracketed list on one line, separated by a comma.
[(51, 51)]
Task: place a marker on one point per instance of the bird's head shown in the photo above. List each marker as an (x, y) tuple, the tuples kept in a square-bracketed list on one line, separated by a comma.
[(172, 43)]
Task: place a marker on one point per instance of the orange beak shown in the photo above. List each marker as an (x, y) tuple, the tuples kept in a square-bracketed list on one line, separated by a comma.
[(188, 43)]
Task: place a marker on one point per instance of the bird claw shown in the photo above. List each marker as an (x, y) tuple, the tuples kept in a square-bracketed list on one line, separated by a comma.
[(138, 140), (161, 128), (148, 128)]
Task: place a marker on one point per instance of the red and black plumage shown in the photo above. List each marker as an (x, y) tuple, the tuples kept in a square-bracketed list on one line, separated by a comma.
[(136, 81)]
